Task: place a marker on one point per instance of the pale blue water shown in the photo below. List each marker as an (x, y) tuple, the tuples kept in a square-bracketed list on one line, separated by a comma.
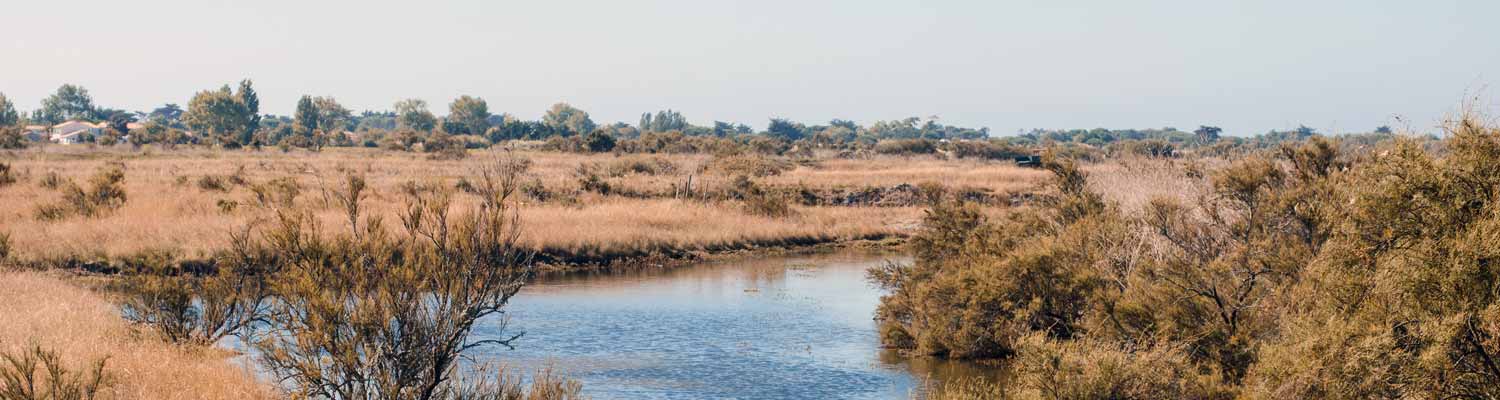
[(772, 328)]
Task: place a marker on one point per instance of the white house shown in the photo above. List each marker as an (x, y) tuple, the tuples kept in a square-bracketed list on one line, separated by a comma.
[(72, 132), (36, 133)]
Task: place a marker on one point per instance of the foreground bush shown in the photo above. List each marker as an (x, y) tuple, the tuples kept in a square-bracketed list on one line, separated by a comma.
[(1089, 369), (1402, 301), (1295, 273), (197, 310), (977, 287), (39, 374), (386, 314)]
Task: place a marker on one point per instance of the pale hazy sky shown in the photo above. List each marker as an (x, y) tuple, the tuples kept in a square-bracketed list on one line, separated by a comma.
[(1247, 66)]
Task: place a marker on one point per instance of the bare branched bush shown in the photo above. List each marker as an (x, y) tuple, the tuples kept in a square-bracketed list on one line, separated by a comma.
[(372, 312), (197, 310), (503, 385), (35, 373)]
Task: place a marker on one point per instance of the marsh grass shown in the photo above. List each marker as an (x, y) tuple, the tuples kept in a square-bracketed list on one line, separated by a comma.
[(682, 209)]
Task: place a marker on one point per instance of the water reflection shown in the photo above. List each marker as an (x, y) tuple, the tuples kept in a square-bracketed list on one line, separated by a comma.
[(796, 327)]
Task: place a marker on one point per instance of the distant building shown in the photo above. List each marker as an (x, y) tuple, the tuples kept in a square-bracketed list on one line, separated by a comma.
[(36, 133), (72, 132)]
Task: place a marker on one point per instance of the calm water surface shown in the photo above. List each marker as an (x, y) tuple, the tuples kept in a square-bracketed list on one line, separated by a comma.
[(769, 328)]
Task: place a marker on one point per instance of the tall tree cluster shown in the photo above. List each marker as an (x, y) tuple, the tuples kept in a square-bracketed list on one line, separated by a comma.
[(227, 117)]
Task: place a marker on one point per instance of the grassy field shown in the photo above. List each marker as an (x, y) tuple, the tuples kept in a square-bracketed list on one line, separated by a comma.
[(188, 201)]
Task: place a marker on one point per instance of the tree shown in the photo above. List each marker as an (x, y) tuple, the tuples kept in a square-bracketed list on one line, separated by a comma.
[(221, 115), (663, 121), (8, 115), (252, 106), (786, 130), (305, 120), (468, 115), (1208, 134), (169, 114), (333, 118), (412, 114), (568, 119), (120, 122), (70, 102)]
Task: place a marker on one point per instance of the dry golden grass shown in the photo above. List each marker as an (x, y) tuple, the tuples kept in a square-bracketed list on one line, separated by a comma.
[(168, 210), (632, 226), (36, 308), (1133, 182), (996, 176)]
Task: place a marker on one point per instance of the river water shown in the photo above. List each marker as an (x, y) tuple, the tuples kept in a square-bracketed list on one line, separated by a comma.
[(768, 328)]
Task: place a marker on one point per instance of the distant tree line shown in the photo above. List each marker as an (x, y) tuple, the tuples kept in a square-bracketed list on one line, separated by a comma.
[(230, 117)]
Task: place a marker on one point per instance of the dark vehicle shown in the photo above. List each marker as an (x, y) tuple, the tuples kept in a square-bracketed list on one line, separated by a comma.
[(1029, 161)]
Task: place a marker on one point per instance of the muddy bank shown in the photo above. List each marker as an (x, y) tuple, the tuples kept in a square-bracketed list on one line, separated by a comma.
[(560, 262), (556, 261)]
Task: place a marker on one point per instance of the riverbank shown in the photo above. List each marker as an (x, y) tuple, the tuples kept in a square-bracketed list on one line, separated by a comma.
[(60, 314)]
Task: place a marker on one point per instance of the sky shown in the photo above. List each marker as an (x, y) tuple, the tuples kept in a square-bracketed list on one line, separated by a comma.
[(1010, 65)]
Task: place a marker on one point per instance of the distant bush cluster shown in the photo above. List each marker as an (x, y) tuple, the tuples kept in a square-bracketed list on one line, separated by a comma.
[(1304, 271)]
